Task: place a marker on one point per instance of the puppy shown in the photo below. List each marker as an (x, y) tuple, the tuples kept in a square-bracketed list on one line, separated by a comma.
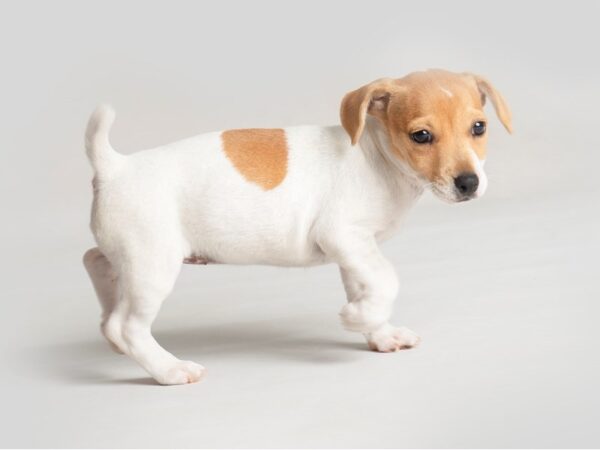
[(297, 196)]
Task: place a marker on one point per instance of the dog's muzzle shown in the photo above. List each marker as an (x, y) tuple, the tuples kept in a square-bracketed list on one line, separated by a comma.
[(466, 185)]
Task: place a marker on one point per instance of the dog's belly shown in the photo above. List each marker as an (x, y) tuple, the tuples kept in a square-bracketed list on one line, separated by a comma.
[(274, 257), (280, 243)]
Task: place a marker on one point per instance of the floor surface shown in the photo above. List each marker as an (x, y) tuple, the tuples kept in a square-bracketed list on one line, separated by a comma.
[(506, 309)]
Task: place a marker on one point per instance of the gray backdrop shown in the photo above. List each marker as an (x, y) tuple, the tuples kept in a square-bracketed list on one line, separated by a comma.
[(504, 290)]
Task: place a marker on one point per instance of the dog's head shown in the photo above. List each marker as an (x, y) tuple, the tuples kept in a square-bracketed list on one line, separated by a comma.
[(435, 125)]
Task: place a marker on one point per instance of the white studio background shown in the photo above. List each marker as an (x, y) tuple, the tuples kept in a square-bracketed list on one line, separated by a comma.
[(504, 290)]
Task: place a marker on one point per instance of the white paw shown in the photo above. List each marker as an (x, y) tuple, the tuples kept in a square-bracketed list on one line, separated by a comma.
[(182, 372), (390, 339)]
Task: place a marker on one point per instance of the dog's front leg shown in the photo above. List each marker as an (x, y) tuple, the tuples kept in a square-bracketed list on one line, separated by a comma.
[(371, 287)]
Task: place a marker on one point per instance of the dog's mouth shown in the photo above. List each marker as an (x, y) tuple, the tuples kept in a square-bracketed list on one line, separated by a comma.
[(449, 194)]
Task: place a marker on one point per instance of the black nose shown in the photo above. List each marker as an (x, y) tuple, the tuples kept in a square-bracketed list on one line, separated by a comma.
[(466, 183)]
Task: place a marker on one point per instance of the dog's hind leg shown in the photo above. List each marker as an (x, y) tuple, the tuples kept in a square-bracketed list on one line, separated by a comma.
[(144, 283), (105, 281)]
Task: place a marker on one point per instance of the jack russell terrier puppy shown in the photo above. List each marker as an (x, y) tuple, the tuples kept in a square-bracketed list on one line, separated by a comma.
[(298, 196)]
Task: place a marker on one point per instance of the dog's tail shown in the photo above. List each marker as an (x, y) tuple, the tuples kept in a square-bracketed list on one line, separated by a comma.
[(103, 157)]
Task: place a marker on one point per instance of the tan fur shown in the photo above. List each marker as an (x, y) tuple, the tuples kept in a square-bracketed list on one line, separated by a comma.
[(444, 103), (355, 105), (260, 155)]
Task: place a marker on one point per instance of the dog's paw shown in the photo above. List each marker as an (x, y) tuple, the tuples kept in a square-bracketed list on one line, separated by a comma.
[(389, 339), (182, 372)]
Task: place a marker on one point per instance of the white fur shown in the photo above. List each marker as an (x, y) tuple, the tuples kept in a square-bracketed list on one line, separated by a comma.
[(154, 208), (483, 181)]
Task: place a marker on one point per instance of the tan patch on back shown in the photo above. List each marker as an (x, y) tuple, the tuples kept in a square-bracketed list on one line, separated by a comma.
[(260, 155)]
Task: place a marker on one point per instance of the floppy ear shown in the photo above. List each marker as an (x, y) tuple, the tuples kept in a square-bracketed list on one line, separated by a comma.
[(372, 99), (488, 90)]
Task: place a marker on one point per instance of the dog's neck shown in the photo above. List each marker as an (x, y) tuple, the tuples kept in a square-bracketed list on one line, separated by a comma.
[(401, 179)]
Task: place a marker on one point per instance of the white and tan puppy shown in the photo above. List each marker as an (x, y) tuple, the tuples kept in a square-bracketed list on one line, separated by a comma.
[(298, 196)]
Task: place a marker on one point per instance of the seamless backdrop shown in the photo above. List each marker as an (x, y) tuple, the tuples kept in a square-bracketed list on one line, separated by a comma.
[(503, 290)]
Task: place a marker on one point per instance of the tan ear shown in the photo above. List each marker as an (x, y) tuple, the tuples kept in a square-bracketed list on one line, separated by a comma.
[(502, 111), (372, 98)]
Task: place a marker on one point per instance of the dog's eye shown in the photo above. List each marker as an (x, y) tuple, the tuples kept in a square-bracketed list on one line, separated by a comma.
[(422, 137), (478, 128)]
